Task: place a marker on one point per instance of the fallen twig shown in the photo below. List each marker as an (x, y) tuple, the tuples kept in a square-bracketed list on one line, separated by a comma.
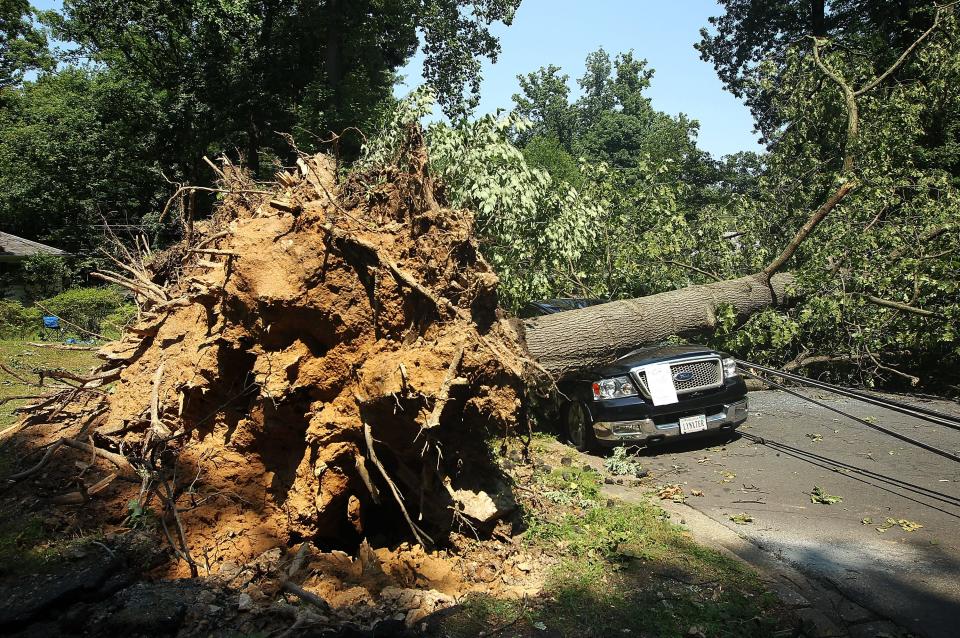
[(305, 595), (60, 346), (119, 461), (156, 425)]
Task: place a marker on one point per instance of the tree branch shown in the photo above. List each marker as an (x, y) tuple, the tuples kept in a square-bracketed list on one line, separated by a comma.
[(893, 67), (838, 195), (896, 305)]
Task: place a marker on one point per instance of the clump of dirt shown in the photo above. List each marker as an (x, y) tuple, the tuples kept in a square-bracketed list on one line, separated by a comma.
[(328, 365)]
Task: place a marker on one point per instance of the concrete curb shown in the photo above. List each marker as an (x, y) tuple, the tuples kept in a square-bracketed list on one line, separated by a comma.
[(822, 611)]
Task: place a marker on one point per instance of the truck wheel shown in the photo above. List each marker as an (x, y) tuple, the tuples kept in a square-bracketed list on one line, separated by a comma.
[(579, 429)]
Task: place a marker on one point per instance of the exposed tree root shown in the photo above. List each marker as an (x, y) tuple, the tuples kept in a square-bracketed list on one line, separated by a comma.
[(304, 336)]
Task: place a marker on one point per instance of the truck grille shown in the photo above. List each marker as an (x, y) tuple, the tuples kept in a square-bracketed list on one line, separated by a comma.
[(707, 374)]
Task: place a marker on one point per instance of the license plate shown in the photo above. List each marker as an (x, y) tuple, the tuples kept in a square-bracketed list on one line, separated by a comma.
[(690, 424)]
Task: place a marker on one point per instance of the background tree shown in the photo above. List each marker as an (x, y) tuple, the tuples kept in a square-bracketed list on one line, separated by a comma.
[(23, 46), (76, 148), (147, 89)]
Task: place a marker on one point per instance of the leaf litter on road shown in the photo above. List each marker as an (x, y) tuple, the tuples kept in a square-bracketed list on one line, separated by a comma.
[(821, 497), (741, 519), (672, 492), (904, 524)]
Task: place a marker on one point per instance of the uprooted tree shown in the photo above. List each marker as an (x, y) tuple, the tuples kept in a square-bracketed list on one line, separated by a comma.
[(327, 358)]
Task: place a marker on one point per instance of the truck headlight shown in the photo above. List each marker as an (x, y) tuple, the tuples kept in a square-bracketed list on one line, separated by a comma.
[(730, 368), (614, 388)]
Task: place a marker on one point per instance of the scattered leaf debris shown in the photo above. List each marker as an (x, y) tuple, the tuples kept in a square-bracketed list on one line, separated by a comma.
[(741, 519), (821, 497)]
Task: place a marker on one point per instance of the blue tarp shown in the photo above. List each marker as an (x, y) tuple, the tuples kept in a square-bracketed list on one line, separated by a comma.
[(51, 322)]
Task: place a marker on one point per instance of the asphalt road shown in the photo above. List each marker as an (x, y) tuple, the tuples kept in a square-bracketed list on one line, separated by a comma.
[(912, 577)]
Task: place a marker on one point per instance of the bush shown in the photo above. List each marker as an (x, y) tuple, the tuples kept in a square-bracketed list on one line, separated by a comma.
[(17, 322), (45, 275), (103, 311), (87, 308)]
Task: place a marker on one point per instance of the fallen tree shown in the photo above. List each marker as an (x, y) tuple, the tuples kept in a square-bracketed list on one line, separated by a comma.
[(325, 360), (565, 342)]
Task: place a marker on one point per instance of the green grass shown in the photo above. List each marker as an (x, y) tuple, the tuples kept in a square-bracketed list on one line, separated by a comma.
[(25, 544), (624, 570), (24, 359)]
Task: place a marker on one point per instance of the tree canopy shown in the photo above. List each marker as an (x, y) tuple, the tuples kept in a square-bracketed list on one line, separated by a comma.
[(23, 46), (150, 88)]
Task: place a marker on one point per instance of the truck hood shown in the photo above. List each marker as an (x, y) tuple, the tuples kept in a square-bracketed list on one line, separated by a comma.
[(651, 354)]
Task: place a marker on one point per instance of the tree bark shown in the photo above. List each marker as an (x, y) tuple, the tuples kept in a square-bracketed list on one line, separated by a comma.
[(579, 339)]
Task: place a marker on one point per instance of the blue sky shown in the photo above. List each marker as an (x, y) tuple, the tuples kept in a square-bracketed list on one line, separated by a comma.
[(563, 32)]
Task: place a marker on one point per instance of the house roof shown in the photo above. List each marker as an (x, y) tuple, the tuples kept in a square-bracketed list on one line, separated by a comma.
[(13, 247)]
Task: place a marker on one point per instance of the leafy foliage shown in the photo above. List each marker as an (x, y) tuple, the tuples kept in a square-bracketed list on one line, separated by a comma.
[(144, 90), (23, 46), (74, 151), (97, 310), (821, 497), (45, 275), (17, 322), (895, 239), (622, 463)]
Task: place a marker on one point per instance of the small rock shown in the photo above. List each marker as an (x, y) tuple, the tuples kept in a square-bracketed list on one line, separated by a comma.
[(213, 610), (789, 596), (244, 602), (206, 597), (525, 567), (608, 480), (566, 461), (816, 624), (852, 613), (76, 553)]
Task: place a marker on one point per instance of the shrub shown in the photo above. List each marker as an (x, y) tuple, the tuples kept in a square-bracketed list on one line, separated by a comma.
[(87, 308), (17, 322), (45, 275), (114, 323)]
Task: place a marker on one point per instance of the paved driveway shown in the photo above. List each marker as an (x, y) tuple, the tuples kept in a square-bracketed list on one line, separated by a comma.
[(912, 577)]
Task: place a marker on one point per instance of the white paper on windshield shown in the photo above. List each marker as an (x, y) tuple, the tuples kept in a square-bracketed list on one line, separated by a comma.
[(660, 384)]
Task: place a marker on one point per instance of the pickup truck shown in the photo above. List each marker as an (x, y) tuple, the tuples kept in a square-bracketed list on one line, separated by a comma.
[(649, 395)]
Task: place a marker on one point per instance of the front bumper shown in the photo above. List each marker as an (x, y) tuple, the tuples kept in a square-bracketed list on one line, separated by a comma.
[(611, 433)]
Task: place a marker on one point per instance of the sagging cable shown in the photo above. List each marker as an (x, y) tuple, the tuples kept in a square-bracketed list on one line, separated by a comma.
[(874, 426), (925, 414)]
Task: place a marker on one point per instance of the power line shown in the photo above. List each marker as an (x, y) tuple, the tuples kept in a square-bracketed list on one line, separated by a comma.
[(925, 414), (848, 470), (879, 428)]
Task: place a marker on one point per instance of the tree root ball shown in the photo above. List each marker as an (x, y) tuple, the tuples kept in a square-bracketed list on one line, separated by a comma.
[(297, 321)]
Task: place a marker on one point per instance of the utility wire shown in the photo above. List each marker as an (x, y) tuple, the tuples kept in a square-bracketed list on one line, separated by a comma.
[(879, 428), (866, 476), (925, 414)]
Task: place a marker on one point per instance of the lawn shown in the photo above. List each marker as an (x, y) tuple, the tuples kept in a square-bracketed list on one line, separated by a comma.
[(24, 359), (621, 570)]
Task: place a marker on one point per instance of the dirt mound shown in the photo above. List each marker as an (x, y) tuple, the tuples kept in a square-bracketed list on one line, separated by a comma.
[(328, 365)]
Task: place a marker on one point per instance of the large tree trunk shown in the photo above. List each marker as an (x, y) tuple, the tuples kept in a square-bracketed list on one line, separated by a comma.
[(568, 341)]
